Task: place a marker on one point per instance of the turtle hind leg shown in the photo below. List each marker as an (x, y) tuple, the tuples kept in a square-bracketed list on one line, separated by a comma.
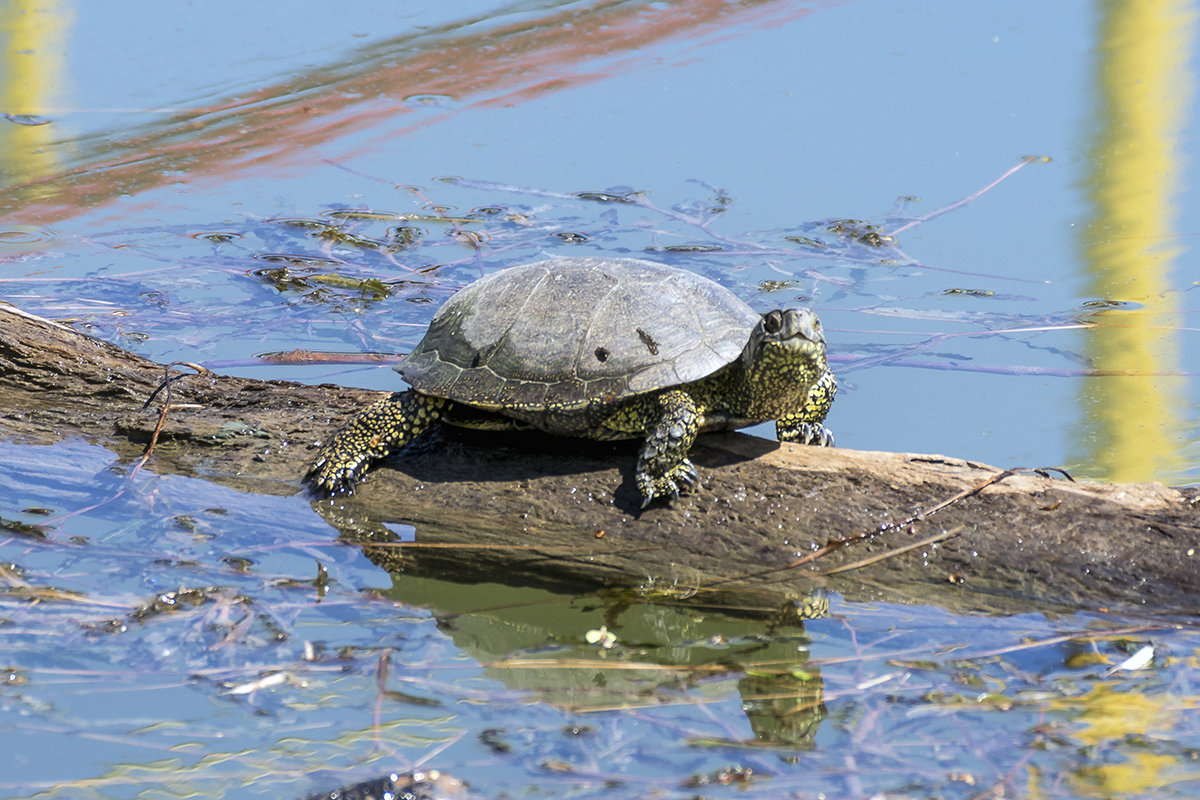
[(663, 468), (377, 431)]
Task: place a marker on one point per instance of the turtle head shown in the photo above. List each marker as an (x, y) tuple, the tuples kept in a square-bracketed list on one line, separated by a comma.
[(783, 358), (789, 334)]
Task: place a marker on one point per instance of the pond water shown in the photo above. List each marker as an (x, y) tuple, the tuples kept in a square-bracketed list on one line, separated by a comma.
[(177, 179)]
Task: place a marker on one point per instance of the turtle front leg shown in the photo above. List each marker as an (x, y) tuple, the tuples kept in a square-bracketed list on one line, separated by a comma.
[(374, 433), (663, 468), (804, 425)]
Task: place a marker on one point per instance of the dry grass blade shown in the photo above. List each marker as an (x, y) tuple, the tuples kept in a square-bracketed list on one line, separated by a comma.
[(167, 384), (837, 544), (955, 531)]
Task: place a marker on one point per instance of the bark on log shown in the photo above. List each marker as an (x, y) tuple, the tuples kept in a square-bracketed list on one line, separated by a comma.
[(529, 510)]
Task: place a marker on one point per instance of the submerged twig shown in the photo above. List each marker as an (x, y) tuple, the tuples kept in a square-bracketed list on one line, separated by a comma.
[(381, 678)]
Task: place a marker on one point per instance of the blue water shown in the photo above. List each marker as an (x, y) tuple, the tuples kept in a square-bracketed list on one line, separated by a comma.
[(168, 123)]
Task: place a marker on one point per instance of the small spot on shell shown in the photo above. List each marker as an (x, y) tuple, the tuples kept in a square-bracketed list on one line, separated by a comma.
[(648, 340)]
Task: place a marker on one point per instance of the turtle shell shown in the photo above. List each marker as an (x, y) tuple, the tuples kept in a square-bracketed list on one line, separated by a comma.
[(570, 333)]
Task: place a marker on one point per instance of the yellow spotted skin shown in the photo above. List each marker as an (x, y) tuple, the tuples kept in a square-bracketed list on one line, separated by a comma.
[(383, 427), (782, 375)]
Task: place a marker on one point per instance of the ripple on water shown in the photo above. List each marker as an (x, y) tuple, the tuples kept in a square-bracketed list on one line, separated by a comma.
[(217, 237), (25, 235), (429, 100), (27, 119)]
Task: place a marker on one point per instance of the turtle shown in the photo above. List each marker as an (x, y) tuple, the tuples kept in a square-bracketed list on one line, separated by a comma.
[(600, 348)]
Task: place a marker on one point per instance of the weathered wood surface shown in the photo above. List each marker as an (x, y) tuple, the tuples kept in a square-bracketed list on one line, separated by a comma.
[(532, 511)]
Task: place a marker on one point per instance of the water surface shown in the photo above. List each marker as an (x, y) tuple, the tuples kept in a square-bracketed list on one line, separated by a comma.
[(153, 162)]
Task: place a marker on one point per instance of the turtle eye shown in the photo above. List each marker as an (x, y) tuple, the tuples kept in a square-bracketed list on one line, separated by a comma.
[(772, 322)]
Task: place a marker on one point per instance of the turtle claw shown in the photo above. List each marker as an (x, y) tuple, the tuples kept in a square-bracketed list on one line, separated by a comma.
[(669, 485), (342, 485), (820, 436), (329, 479), (813, 433)]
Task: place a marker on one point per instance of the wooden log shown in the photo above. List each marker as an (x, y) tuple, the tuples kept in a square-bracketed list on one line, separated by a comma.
[(562, 514)]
